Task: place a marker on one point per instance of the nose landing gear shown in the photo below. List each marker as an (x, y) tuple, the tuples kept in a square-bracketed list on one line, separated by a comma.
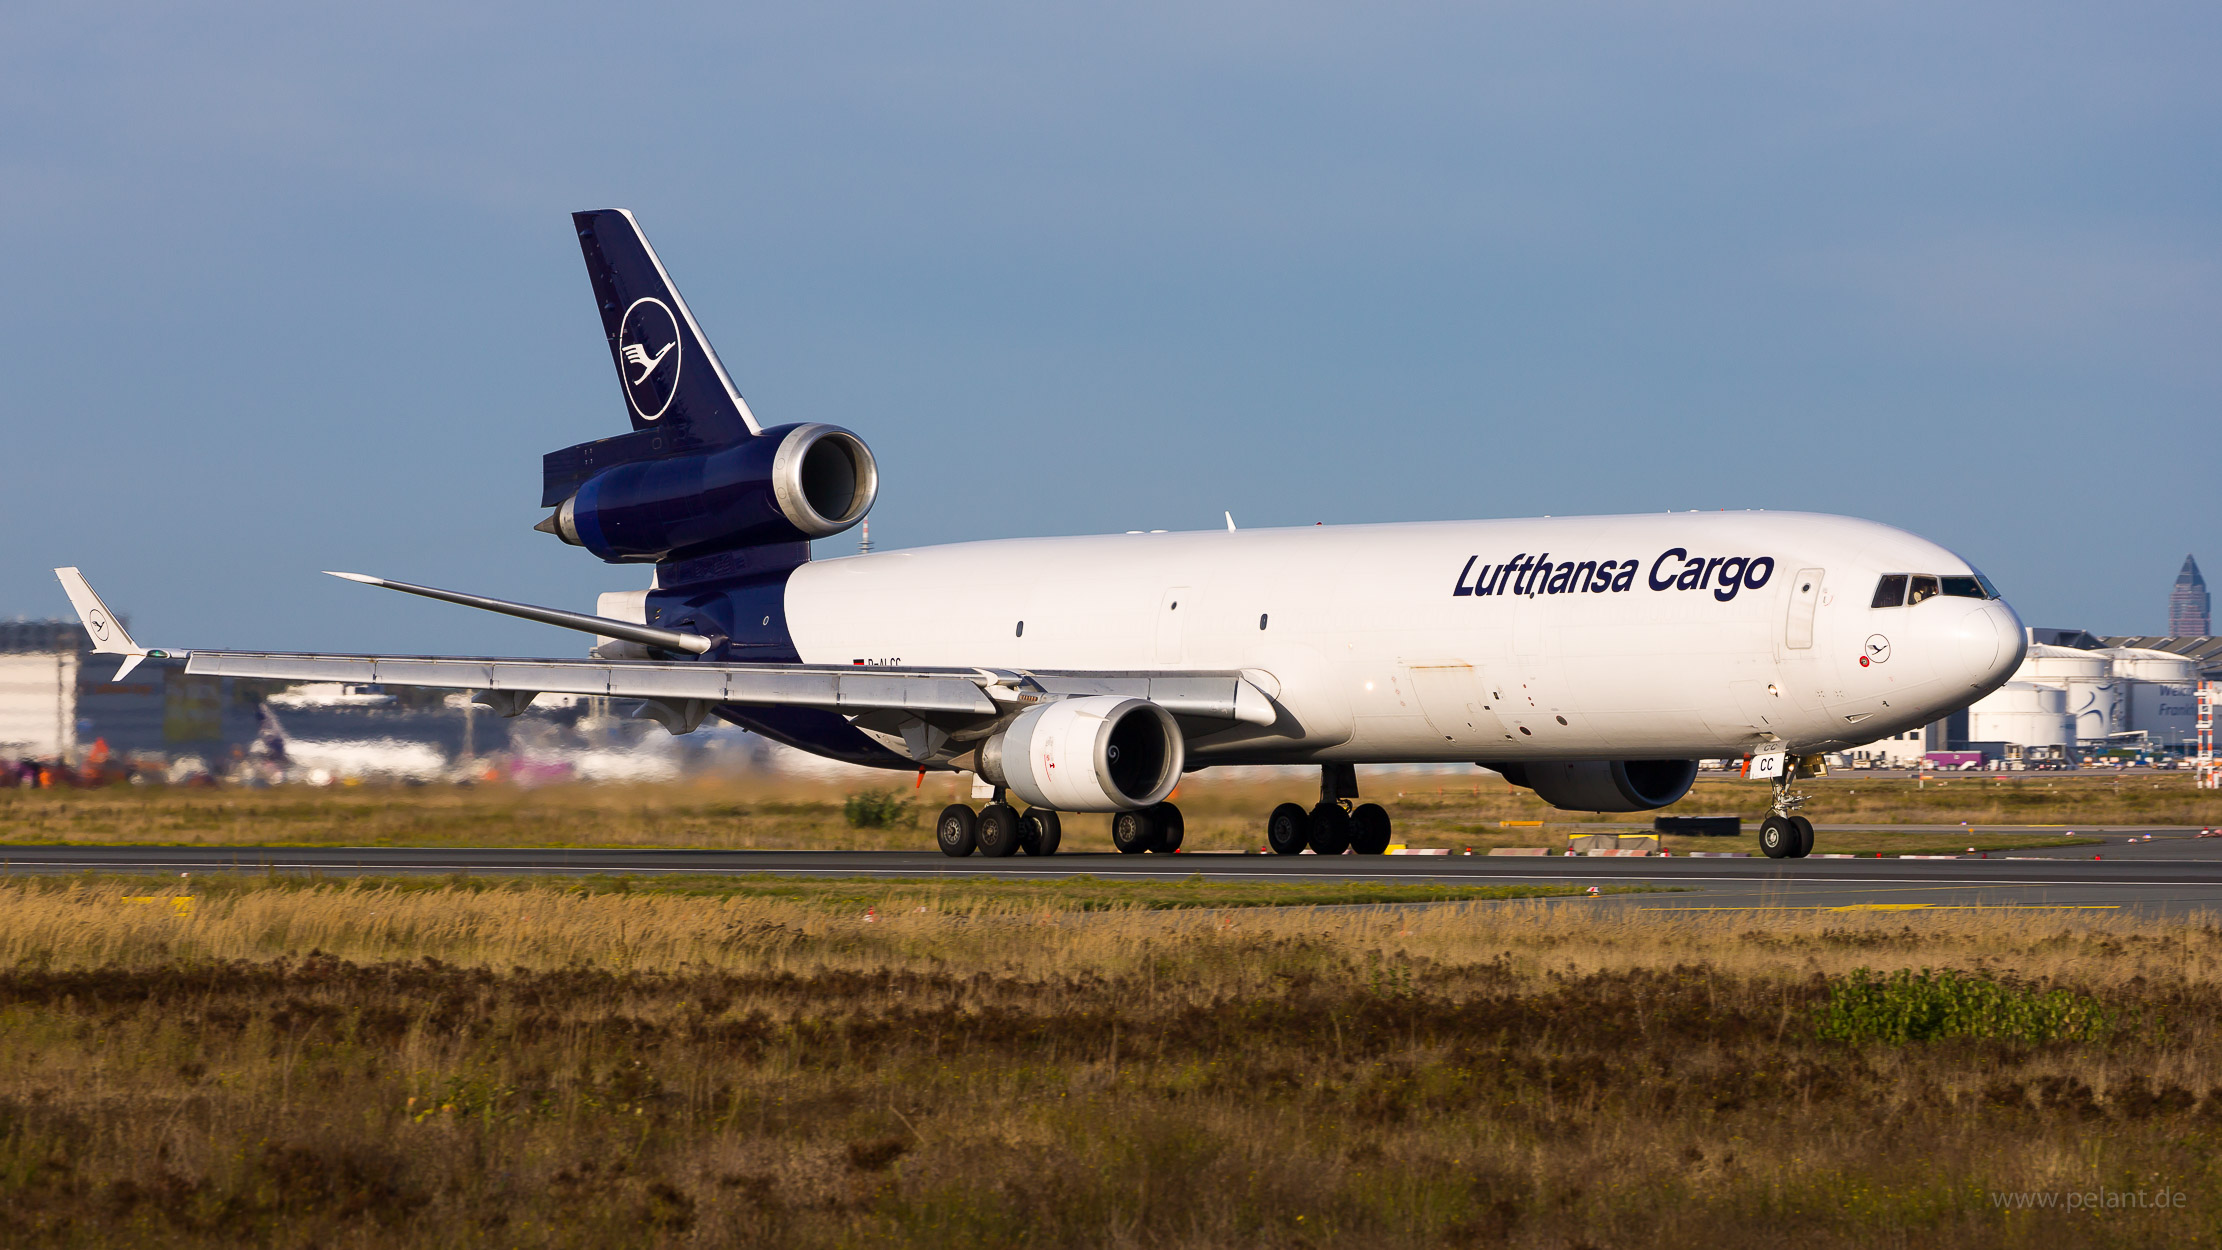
[(1784, 834)]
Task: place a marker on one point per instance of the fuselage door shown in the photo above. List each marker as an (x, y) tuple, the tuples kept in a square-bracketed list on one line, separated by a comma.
[(1805, 597)]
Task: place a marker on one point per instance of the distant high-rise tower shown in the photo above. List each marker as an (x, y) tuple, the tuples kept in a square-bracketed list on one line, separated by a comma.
[(2189, 604)]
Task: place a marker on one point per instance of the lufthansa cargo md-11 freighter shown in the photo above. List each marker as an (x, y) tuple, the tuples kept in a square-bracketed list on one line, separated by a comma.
[(1594, 660)]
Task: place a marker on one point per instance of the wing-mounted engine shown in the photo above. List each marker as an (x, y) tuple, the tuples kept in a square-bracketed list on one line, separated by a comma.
[(788, 484), (1604, 785), (1099, 753)]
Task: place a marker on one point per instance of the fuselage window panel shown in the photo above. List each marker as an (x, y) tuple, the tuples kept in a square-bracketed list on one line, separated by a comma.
[(1890, 591), (1964, 588), (1921, 587)]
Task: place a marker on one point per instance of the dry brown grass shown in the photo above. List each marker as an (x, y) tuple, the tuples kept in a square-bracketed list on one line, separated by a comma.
[(541, 1065), (1430, 810)]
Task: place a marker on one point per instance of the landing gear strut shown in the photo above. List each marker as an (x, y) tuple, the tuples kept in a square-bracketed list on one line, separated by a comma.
[(1784, 834), (1333, 825)]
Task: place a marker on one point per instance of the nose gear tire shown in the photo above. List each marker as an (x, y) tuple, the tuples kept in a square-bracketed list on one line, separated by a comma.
[(1778, 837), (1805, 837)]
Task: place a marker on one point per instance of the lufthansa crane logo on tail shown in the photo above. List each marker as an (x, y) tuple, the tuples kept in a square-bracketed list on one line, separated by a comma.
[(648, 357)]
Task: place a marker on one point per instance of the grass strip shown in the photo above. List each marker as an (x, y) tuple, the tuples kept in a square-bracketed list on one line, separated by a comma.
[(1077, 893)]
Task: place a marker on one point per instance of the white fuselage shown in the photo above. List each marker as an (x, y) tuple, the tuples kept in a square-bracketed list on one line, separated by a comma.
[(1407, 643)]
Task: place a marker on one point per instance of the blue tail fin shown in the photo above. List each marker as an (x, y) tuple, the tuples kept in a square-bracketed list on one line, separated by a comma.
[(672, 380)]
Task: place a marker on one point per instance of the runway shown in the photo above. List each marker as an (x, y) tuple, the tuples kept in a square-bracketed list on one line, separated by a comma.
[(2172, 874)]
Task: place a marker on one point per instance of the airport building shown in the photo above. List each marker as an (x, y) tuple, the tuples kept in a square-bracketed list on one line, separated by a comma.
[(58, 698), (61, 704)]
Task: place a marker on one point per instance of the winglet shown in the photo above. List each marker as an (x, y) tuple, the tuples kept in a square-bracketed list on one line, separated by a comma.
[(108, 634)]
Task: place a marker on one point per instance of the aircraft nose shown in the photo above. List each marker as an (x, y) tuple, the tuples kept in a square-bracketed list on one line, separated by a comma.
[(1989, 642)]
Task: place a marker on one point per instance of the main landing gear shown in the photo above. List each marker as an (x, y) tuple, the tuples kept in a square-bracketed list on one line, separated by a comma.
[(1784, 834), (1000, 829), (997, 830), (1333, 825)]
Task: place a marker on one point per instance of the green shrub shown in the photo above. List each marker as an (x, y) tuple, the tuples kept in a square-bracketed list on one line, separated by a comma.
[(1926, 1006), (876, 809)]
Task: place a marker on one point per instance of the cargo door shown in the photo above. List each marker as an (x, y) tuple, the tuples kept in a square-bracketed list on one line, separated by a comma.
[(1455, 702), (1805, 597), (1172, 611)]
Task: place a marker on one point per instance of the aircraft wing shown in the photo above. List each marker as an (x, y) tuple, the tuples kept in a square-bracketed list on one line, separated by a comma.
[(961, 702), (964, 694)]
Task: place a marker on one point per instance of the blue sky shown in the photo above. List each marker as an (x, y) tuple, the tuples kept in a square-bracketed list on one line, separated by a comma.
[(294, 289)]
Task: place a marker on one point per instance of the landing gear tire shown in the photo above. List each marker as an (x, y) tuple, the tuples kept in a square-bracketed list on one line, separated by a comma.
[(1369, 829), (1171, 828), (1330, 829), (1288, 830), (1805, 837), (957, 830), (1778, 837), (997, 830), (1134, 832), (1040, 831)]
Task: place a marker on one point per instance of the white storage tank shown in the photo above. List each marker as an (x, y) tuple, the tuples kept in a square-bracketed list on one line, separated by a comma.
[(2086, 678), (2023, 712), (2144, 664), (2044, 663)]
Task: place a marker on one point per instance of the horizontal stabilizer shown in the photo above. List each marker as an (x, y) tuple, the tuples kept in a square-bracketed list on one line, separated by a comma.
[(646, 635)]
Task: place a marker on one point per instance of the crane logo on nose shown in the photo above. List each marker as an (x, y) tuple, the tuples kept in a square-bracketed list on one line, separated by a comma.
[(1878, 650)]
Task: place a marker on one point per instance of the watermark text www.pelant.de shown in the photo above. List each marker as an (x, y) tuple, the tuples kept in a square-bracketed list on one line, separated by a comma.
[(2090, 1199)]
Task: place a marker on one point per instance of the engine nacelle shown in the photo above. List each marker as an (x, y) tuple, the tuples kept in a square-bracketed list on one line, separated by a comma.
[(1604, 785), (789, 483), (1101, 753)]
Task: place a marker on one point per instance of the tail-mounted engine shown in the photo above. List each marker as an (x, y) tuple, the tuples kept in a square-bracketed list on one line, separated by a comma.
[(1604, 785), (789, 483), (1099, 753)]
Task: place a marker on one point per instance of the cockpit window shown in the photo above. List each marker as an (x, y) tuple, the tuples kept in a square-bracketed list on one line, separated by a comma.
[(1896, 589)]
